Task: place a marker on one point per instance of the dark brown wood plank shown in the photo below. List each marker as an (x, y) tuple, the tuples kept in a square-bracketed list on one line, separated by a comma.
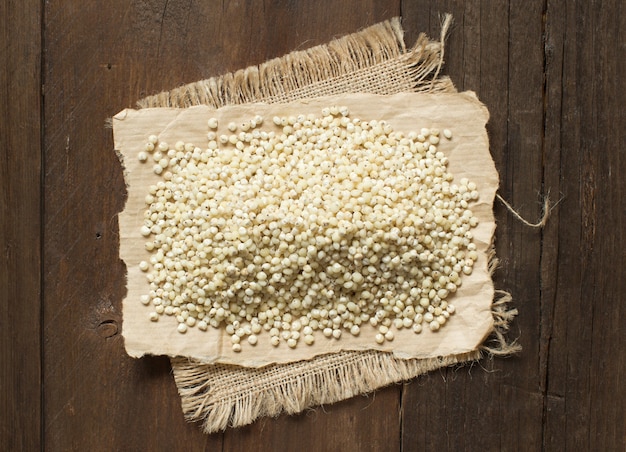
[(586, 407), (98, 61), (20, 225), (363, 423), (496, 50)]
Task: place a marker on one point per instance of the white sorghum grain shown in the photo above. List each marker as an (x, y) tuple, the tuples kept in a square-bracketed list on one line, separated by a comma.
[(326, 224)]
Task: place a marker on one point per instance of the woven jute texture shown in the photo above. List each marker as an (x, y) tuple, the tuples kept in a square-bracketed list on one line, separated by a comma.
[(374, 60)]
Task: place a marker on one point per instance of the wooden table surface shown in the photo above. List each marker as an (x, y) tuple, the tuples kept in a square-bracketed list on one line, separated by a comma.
[(552, 76)]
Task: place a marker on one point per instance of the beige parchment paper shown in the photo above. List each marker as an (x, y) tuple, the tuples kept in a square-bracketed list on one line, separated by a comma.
[(468, 154)]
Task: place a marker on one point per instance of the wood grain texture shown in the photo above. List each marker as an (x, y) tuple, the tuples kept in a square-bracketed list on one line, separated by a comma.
[(363, 423), (584, 154), (20, 225), (551, 74)]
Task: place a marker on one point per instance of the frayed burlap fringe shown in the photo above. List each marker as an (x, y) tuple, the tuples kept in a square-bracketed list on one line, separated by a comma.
[(374, 60), (498, 344), (244, 394)]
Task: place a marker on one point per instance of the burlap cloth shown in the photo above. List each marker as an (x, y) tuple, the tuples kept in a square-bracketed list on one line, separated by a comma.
[(375, 61)]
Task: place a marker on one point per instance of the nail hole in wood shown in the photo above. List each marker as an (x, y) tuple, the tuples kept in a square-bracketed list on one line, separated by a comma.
[(107, 328)]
